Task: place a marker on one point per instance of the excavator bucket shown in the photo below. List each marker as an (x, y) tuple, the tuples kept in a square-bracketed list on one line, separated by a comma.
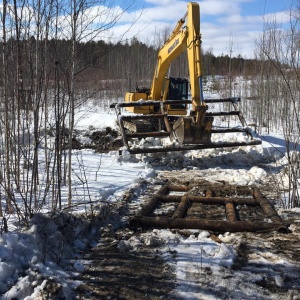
[(194, 129), (187, 132)]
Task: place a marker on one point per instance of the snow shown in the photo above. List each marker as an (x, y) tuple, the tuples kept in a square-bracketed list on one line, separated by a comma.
[(25, 267)]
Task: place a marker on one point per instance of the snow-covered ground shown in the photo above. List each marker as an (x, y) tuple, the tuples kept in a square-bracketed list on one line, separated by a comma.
[(51, 249)]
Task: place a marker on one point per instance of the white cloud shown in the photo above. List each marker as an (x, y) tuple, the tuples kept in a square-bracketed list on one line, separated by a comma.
[(216, 7), (241, 20), (280, 17), (166, 13), (162, 2), (220, 21), (256, 20)]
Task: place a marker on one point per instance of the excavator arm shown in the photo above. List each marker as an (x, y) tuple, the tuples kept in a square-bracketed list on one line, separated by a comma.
[(183, 38), (174, 46)]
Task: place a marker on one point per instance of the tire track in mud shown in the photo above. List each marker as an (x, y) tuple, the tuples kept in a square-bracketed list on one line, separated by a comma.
[(273, 261), (269, 260)]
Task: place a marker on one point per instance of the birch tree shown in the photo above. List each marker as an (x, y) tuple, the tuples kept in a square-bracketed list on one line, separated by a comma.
[(40, 68), (279, 93), (88, 19)]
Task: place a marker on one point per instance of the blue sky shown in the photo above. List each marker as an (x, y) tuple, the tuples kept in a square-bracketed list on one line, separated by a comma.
[(223, 22)]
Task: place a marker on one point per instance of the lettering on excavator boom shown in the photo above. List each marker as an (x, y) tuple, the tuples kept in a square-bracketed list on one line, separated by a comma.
[(173, 46)]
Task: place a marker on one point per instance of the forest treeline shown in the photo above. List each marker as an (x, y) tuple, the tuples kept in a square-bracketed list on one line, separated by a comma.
[(97, 63)]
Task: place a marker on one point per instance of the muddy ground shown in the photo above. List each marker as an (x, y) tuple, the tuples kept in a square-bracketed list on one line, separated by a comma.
[(114, 274), (102, 141)]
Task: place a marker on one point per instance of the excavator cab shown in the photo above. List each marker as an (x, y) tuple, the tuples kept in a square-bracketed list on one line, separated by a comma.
[(178, 90)]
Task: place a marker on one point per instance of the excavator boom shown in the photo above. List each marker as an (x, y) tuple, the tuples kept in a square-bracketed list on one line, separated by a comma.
[(182, 39)]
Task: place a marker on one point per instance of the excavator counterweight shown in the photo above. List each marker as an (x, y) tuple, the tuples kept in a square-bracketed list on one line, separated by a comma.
[(175, 107)]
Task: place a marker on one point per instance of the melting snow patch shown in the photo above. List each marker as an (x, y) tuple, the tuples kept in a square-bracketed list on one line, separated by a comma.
[(198, 250), (6, 270), (279, 281), (258, 173), (124, 246), (125, 155)]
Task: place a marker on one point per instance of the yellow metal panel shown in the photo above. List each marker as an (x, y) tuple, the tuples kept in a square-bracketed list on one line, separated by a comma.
[(177, 112), (135, 97)]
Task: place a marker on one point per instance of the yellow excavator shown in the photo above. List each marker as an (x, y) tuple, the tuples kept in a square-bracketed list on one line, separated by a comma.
[(165, 109)]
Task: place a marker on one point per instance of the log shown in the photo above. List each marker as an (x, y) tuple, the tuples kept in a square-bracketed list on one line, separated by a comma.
[(213, 225), (230, 212), (210, 200), (152, 204), (182, 208), (266, 206)]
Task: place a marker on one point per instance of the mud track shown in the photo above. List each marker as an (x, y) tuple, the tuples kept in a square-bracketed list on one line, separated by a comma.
[(113, 274)]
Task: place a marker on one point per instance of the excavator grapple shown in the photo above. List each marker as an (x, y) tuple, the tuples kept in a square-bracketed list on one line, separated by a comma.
[(189, 130), (175, 107), (185, 131)]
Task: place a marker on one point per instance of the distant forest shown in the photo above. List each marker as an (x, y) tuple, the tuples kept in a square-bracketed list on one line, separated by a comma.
[(134, 63), (103, 66)]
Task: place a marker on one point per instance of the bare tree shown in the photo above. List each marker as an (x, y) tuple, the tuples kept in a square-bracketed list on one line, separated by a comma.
[(81, 18), (40, 75), (279, 91)]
